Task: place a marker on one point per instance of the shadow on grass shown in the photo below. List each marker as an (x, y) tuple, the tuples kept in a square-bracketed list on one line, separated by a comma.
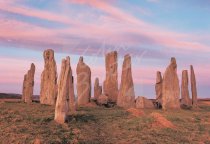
[(81, 118)]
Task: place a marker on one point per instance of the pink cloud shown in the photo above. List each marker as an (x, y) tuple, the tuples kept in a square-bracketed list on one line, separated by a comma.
[(11, 6), (115, 29)]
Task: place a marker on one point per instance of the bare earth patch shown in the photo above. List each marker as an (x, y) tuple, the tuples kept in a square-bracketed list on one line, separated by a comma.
[(136, 112), (161, 121)]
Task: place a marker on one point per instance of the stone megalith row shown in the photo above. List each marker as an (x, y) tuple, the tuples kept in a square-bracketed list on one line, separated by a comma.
[(110, 86), (170, 87), (185, 96), (83, 82), (48, 93), (65, 98), (97, 89), (193, 87), (28, 85), (126, 96)]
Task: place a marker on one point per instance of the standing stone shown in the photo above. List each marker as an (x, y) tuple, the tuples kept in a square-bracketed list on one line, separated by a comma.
[(24, 88), (83, 82), (158, 87), (48, 92), (102, 100), (28, 85), (144, 103), (185, 101), (193, 87), (126, 97), (71, 98), (97, 89), (62, 104), (110, 85), (171, 89)]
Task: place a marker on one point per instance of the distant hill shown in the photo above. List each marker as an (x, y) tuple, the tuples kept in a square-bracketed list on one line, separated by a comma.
[(15, 96), (9, 96)]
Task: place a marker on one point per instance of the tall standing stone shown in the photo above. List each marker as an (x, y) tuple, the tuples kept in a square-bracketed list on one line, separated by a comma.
[(193, 87), (97, 89), (24, 88), (48, 92), (126, 97), (158, 87), (71, 96), (83, 82), (28, 85), (110, 85), (62, 104), (171, 89), (185, 101)]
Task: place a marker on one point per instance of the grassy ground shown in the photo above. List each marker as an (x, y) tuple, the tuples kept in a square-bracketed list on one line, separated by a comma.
[(22, 123)]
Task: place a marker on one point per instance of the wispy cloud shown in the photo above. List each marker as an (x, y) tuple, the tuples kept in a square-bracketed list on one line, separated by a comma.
[(114, 27)]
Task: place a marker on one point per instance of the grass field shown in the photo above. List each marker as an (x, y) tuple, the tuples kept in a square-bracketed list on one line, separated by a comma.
[(21, 123)]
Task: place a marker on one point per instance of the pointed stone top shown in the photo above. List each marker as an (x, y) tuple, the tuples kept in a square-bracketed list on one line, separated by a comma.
[(158, 73), (81, 59), (97, 80), (127, 56), (173, 62), (191, 67), (32, 66), (63, 60), (158, 77), (112, 53), (48, 54), (68, 60)]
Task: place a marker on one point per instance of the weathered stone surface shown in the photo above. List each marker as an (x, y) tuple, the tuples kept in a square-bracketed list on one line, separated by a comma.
[(83, 82), (71, 95), (144, 103), (126, 97), (110, 85), (24, 87), (193, 87), (97, 89), (171, 89), (102, 99), (48, 92), (28, 85), (185, 101), (62, 104), (158, 87)]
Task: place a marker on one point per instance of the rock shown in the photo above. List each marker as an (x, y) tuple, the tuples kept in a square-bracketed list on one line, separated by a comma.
[(158, 88), (97, 89), (185, 101), (110, 85), (102, 100), (48, 91), (28, 85), (37, 141), (144, 103), (193, 87), (83, 82), (126, 96), (24, 87), (62, 104), (171, 89), (71, 98)]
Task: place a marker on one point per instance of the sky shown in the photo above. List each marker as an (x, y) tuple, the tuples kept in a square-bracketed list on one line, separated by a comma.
[(151, 31)]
